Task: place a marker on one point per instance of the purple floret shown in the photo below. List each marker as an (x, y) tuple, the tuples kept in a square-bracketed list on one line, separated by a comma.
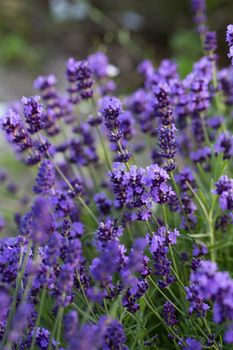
[(229, 39), (33, 112), (98, 63), (224, 145), (45, 179)]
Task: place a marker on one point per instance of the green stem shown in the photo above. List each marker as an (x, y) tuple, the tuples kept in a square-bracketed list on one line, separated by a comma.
[(211, 231), (180, 201), (165, 296), (205, 130), (29, 281), (217, 96), (130, 232), (106, 155), (85, 297), (52, 335), (59, 327), (178, 279), (155, 220), (90, 212), (72, 188), (18, 284), (209, 219), (38, 317), (198, 199), (153, 309), (149, 228), (94, 179), (122, 151), (176, 273), (165, 216)]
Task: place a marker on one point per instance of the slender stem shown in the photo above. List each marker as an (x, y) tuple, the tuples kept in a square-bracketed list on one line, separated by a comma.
[(155, 220), (122, 151), (217, 96), (173, 295), (29, 281), (173, 259), (165, 296), (198, 199), (209, 219), (52, 335), (106, 307), (106, 154), (178, 279), (59, 327), (130, 232), (176, 272), (94, 179), (152, 307), (72, 188), (18, 283), (180, 201), (211, 231), (85, 297), (209, 330), (88, 209), (121, 214), (38, 317), (149, 228), (83, 313), (165, 216), (205, 130)]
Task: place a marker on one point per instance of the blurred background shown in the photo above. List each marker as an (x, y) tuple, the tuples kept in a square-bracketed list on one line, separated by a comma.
[(37, 36)]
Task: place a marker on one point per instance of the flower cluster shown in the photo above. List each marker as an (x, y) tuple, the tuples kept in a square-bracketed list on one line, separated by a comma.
[(199, 10), (166, 131), (159, 246), (229, 38), (116, 236), (216, 286), (140, 188), (224, 188), (118, 126), (80, 80)]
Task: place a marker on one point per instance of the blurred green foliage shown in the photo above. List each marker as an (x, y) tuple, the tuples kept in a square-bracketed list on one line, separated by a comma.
[(15, 49), (32, 32), (186, 49)]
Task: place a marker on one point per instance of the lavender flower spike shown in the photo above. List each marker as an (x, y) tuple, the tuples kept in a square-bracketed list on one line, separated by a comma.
[(229, 39)]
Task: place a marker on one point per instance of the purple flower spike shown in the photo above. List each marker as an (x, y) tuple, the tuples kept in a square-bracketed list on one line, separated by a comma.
[(229, 39), (192, 344), (80, 80), (224, 188), (210, 45), (224, 145), (114, 336), (111, 108), (41, 220), (169, 314), (199, 10), (33, 112), (15, 131), (159, 247), (98, 63), (45, 179), (167, 129), (5, 303)]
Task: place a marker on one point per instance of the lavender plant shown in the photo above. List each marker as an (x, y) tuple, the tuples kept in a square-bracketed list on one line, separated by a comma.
[(123, 239)]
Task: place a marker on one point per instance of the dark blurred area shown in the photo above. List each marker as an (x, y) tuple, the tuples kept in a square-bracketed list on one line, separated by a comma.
[(37, 36)]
